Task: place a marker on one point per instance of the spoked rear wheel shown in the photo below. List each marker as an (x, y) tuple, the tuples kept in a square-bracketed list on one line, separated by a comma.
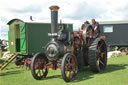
[(38, 66), (101, 54), (98, 55), (69, 67)]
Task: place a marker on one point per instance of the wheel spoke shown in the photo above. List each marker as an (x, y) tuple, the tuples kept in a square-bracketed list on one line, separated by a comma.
[(42, 71), (36, 71), (102, 55), (98, 60), (66, 72), (69, 75), (69, 60), (99, 47), (39, 73), (101, 62), (66, 67), (73, 62)]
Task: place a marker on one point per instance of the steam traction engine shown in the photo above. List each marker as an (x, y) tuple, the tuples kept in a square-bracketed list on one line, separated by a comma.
[(63, 51)]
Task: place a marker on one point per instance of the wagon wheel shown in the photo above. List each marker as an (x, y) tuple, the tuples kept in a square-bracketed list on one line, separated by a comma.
[(98, 55), (38, 69), (69, 67)]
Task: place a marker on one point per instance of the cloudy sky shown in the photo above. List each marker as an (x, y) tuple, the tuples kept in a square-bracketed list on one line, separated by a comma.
[(71, 11)]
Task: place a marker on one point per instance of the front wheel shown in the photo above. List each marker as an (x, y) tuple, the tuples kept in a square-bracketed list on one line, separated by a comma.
[(38, 69), (69, 67)]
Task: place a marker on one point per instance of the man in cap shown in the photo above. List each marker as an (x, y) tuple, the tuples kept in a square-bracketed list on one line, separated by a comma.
[(96, 27)]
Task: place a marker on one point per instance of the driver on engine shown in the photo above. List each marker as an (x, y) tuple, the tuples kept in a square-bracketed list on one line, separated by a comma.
[(96, 27), (84, 25)]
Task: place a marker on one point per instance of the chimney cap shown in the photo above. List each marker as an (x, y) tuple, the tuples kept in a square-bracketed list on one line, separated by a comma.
[(54, 8)]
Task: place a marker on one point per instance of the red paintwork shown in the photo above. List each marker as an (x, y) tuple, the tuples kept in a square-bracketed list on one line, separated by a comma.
[(53, 65), (26, 62)]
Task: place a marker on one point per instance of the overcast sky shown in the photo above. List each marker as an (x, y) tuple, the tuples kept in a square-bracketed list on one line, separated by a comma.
[(71, 11)]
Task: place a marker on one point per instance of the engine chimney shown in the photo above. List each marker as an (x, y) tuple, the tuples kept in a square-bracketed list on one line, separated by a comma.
[(54, 19)]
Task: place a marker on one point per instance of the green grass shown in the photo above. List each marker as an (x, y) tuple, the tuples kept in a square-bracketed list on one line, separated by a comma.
[(116, 73), (1, 61)]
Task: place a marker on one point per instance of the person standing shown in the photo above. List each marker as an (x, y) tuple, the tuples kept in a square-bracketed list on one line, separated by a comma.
[(96, 27), (84, 25)]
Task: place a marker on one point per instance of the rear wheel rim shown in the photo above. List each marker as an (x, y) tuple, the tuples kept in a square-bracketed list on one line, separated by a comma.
[(101, 55)]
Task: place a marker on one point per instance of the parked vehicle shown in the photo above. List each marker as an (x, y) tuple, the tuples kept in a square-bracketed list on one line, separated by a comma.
[(116, 33)]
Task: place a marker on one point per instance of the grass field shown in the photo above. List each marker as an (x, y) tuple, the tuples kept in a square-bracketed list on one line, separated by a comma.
[(116, 73)]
